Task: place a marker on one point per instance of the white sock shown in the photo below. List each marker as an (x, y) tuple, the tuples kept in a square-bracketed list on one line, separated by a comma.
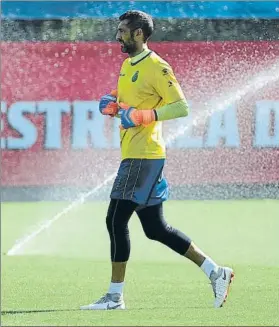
[(116, 288), (208, 266)]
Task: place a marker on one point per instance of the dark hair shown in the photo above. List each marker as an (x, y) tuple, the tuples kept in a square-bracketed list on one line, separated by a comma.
[(139, 19)]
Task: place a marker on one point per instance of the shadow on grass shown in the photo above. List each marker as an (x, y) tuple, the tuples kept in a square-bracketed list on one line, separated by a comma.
[(14, 312)]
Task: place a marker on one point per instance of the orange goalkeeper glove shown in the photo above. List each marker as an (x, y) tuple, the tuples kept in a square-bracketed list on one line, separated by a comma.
[(131, 117)]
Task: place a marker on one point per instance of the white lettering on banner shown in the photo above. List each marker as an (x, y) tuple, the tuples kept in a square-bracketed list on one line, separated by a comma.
[(53, 117), (223, 125), (267, 116), (85, 126), (88, 126), (3, 111), (19, 122)]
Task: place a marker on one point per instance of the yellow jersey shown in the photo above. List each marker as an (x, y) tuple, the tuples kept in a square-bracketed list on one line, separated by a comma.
[(146, 82)]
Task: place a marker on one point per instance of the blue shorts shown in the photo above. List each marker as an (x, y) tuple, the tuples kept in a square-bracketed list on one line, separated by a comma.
[(141, 181)]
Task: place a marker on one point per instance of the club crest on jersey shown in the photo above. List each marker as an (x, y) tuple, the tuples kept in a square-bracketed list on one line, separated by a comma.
[(135, 76)]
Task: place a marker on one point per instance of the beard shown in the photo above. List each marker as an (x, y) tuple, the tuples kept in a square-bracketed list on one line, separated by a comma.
[(128, 47)]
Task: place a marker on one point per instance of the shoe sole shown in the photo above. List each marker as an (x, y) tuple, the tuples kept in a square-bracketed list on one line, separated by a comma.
[(121, 307), (228, 289)]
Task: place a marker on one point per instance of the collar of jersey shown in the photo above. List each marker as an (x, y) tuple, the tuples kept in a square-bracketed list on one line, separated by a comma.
[(145, 53)]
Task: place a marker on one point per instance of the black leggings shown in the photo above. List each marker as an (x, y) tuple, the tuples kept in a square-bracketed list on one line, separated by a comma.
[(153, 223)]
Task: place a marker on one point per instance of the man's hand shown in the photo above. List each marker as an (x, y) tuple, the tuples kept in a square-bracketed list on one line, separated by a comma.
[(108, 104), (131, 117)]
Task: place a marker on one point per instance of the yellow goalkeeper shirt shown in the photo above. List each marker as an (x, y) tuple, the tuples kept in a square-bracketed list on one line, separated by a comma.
[(145, 82)]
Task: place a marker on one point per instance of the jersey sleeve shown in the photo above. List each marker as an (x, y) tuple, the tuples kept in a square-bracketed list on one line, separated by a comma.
[(166, 84)]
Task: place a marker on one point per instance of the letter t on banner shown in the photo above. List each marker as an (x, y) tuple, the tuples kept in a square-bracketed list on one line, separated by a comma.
[(87, 121), (53, 120)]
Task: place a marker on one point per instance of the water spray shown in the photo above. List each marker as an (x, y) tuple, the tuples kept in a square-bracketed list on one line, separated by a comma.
[(271, 74)]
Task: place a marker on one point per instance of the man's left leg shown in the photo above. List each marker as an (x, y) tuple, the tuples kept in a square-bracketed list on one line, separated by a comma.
[(156, 228)]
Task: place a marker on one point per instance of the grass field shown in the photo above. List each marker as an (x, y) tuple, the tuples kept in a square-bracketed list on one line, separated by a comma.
[(67, 266)]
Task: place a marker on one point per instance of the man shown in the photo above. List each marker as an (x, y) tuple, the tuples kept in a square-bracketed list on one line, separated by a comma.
[(148, 93)]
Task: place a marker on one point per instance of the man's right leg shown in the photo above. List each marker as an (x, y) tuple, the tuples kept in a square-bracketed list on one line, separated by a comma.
[(119, 213)]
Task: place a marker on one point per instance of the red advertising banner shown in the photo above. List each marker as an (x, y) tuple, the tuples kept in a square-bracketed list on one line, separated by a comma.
[(52, 132)]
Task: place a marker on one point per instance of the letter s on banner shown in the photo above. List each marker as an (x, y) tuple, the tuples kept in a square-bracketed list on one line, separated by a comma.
[(21, 124)]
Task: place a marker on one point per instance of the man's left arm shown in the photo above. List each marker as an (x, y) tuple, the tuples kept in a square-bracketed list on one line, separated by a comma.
[(168, 88)]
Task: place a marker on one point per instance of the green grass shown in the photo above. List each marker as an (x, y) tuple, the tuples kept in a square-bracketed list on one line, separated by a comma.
[(68, 265)]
